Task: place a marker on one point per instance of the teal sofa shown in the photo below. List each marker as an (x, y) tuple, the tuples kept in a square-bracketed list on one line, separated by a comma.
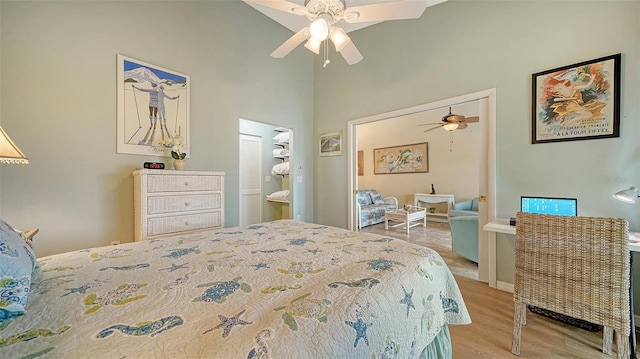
[(371, 206), (464, 236)]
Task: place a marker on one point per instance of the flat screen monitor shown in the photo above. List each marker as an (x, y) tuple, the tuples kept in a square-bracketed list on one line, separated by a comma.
[(549, 205)]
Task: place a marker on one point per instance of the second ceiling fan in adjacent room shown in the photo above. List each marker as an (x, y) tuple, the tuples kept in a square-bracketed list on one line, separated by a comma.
[(452, 122)]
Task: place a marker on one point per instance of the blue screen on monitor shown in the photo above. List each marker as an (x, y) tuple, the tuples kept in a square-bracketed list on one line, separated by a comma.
[(549, 205)]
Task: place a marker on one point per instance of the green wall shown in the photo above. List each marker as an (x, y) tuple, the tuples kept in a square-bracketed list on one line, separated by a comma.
[(58, 68), (460, 47)]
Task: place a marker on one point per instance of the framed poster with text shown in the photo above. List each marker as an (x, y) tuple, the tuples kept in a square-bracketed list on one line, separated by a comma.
[(577, 102)]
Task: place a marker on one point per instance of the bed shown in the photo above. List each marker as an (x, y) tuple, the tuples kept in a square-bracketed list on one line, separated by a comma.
[(282, 289)]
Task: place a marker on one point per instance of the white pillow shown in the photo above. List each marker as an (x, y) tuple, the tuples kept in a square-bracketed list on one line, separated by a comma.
[(280, 169), (282, 137), (279, 152), (280, 195)]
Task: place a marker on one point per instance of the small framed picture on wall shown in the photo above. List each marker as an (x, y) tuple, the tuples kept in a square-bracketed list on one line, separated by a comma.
[(331, 144)]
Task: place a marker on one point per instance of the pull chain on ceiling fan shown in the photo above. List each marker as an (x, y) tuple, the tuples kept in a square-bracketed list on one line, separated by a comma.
[(328, 17)]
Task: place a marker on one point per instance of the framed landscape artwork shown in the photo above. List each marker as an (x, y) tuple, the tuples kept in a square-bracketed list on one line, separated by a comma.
[(577, 102), (331, 144), (153, 108), (401, 159)]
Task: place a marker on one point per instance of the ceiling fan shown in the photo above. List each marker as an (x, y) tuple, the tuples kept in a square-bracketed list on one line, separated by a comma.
[(328, 18), (452, 122)]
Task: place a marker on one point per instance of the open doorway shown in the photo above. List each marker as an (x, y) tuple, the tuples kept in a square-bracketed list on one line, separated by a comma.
[(486, 101), (440, 175), (265, 188)]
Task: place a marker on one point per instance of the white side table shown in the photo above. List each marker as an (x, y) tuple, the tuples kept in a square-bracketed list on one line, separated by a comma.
[(435, 198)]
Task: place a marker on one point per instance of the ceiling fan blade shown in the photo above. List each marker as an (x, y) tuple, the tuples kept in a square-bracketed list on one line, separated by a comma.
[(281, 5), (461, 126), (431, 129), (395, 10), (351, 54), (472, 119), (430, 124), (291, 43)]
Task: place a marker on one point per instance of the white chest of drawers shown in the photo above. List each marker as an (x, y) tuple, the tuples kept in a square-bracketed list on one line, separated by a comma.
[(169, 202)]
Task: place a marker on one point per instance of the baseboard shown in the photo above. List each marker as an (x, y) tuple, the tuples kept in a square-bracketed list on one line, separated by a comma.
[(503, 286), (636, 319)]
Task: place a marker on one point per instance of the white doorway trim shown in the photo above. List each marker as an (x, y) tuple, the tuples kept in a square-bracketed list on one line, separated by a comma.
[(487, 166)]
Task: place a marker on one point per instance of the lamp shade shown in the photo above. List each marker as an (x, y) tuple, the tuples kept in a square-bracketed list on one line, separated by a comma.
[(627, 195), (9, 152), (319, 29), (339, 38), (313, 45)]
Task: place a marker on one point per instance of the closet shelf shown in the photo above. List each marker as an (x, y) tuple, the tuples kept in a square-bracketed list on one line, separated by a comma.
[(277, 200)]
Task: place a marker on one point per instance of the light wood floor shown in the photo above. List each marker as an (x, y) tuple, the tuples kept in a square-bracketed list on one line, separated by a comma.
[(491, 310)]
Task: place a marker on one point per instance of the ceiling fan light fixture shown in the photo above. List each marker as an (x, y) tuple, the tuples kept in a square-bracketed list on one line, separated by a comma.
[(313, 45), (450, 126), (319, 29), (339, 38)]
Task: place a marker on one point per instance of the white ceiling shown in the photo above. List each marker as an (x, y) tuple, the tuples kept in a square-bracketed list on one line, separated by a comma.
[(296, 22)]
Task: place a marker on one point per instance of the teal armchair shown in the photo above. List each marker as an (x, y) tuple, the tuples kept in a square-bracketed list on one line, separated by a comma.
[(464, 236), (465, 208)]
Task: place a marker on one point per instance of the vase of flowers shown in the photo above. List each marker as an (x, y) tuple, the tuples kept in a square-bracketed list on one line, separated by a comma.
[(179, 165), (178, 153)]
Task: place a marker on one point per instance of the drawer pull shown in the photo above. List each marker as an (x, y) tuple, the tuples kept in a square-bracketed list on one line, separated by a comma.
[(186, 223), (186, 184), (186, 204)]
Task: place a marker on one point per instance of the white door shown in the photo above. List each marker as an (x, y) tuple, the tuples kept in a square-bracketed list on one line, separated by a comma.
[(250, 180)]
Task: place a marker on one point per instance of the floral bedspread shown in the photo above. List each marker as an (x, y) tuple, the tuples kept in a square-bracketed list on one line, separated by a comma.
[(281, 289)]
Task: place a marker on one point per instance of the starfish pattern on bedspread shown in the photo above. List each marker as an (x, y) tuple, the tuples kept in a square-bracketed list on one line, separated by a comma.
[(227, 323), (361, 330), (407, 300)]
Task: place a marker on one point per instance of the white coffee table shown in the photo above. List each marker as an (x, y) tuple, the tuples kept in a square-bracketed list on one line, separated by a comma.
[(405, 217)]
